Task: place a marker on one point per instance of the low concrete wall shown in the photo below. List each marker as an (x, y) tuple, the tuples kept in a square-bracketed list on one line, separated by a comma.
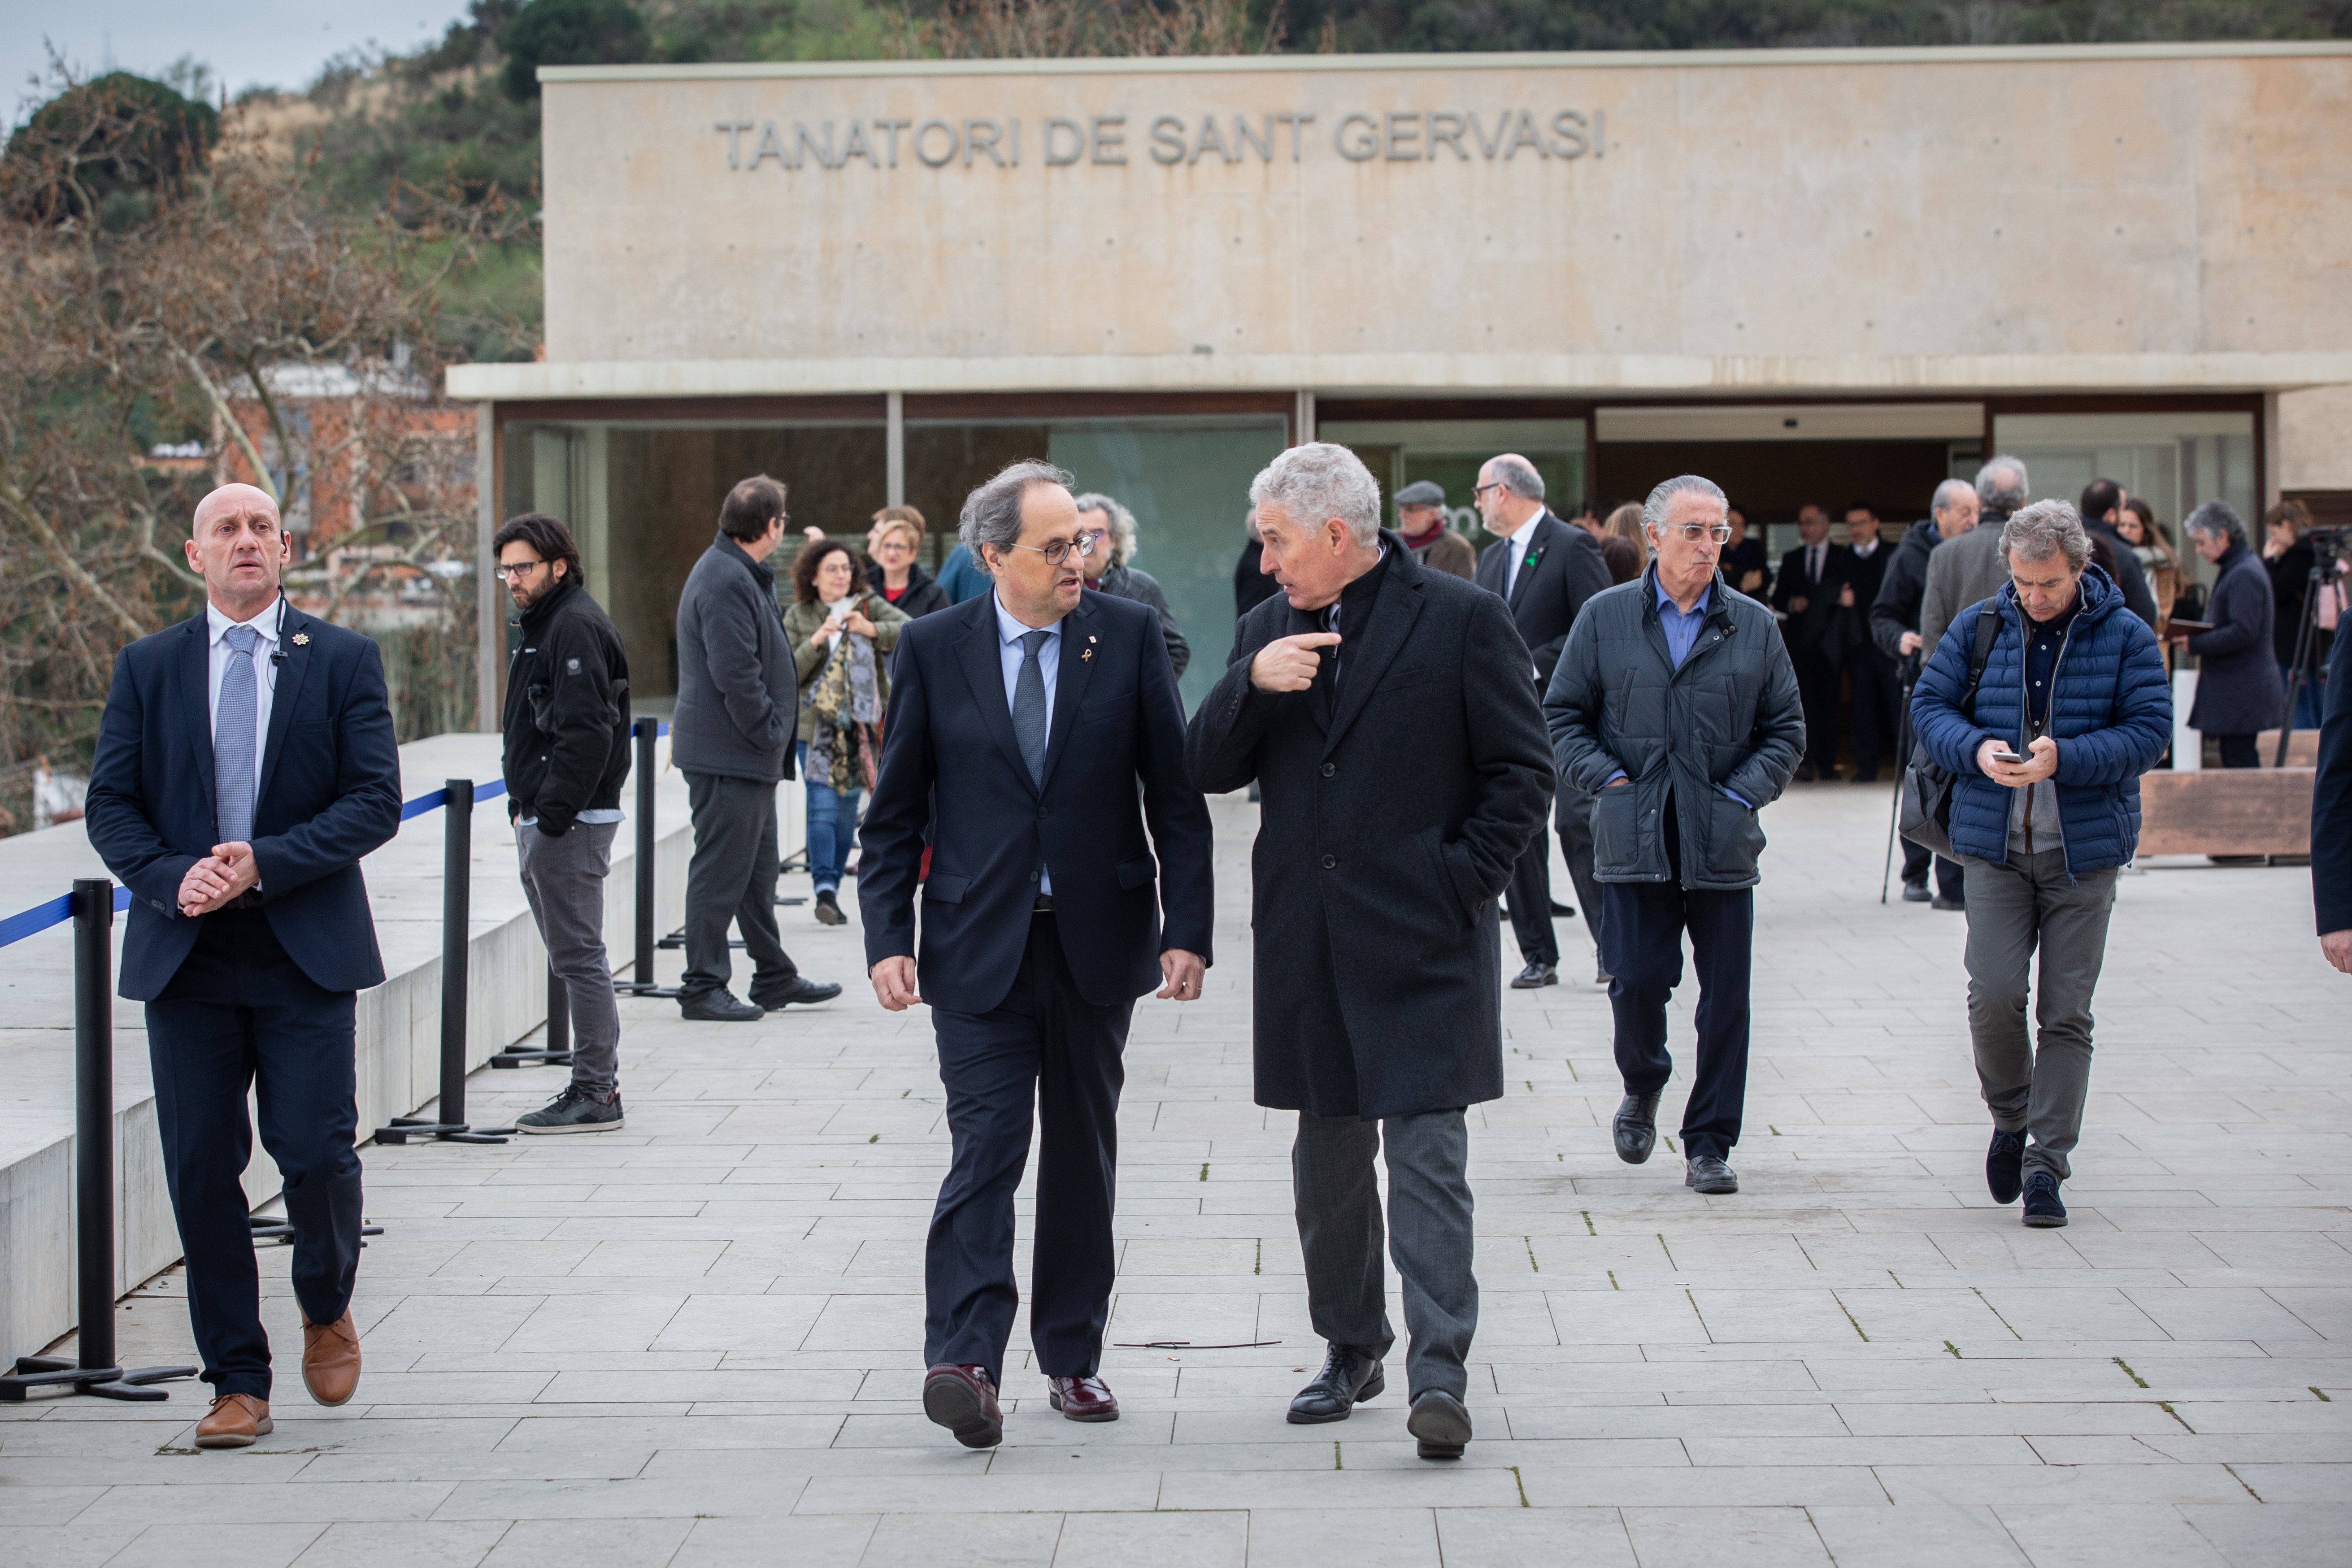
[(399, 1021)]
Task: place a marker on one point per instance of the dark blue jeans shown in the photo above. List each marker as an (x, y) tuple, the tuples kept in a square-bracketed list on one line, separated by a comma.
[(832, 828)]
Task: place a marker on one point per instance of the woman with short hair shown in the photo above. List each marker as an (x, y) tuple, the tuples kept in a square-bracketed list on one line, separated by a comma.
[(894, 566)]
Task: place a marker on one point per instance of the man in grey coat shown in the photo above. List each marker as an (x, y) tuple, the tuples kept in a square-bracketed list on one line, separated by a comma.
[(1972, 567), (1676, 705), (732, 736), (1385, 709)]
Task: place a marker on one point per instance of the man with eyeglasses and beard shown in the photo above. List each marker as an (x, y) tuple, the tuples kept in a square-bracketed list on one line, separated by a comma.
[(1675, 703)]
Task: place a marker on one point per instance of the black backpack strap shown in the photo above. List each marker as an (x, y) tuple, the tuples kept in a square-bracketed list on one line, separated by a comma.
[(1988, 630)]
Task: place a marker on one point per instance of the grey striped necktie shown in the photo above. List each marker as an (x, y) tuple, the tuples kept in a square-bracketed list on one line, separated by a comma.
[(233, 738), (1029, 723)]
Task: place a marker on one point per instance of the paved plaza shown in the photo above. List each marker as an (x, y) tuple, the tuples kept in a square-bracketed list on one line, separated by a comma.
[(699, 1342)]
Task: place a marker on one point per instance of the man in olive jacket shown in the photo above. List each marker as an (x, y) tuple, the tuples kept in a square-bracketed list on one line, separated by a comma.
[(732, 735), (1385, 710), (1675, 703)]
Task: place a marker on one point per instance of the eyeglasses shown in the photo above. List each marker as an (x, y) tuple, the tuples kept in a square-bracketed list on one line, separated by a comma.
[(517, 570), (1478, 490), (1692, 532), (1059, 550)]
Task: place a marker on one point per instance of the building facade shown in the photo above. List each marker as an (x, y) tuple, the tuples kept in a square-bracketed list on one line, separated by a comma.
[(1831, 276)]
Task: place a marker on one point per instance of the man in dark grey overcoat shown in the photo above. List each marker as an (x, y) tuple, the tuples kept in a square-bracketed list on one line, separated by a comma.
[(1384, 711)]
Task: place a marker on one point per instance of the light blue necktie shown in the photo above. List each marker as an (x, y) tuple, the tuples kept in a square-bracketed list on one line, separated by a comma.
[(233, 738)]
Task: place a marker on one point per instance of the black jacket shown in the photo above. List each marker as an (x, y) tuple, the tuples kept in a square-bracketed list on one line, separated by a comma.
[(1895, 609), (328, 795), (567, 714), (2238, 692), (738, 692), (1395, 805), (1728, 718), (1816, 628), (1141, 587), (1117, 725), (2331, 800), (2130, 575), (1561, 569), (923, 594), (1252, 587), (2290, 586)]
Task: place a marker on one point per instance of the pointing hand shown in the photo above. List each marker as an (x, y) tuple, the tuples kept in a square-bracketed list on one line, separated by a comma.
[(1289, 664)]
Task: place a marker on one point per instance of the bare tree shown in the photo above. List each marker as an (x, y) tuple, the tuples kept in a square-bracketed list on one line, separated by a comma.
[(1054, 29)]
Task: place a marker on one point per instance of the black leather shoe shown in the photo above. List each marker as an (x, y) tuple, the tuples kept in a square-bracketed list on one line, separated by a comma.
[(1537, 973), (1953, 906), (1635, 1128), (1560, 912), (1710, 1173), (2044, 1211), (1916, 892), (1440, 1425), (1351, 1374), (720, 1007), (799, 988), (2005, 1166)]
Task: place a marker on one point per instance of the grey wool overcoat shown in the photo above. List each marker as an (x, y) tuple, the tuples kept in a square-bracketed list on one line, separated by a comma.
[(1395, 805)]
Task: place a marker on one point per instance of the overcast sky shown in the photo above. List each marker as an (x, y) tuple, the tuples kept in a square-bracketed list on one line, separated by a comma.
[(275, 43)]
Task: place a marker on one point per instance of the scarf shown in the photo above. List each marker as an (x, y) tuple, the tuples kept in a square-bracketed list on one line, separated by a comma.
[(846, 701)]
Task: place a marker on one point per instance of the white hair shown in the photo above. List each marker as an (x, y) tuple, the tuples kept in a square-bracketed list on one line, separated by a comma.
[(1122, 524), (1654, 511), (1990, 491), (1518, 478), (1948, 494), (1319, 481)]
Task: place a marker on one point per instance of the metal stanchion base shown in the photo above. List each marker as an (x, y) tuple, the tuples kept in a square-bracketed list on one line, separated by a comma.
[(676, 939), (104, 1382), (424, 1129), (268, 1228), (511, 1058), (643, 988)]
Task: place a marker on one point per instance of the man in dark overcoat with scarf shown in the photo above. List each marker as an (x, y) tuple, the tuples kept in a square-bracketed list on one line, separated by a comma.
[(1385, 712)]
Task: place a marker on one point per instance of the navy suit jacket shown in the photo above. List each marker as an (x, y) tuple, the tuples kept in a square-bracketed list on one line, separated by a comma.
[(2331, 797), (329, 793), (1563, 569), (1118, 721)]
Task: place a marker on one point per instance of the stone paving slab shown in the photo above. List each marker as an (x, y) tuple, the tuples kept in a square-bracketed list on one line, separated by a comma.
[(699, 1342)]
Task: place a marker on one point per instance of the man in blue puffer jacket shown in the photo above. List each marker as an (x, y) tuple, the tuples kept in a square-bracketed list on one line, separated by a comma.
[(2074, 690)]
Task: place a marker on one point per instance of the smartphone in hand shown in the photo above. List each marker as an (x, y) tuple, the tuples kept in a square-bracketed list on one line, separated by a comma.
[(2010, 759)]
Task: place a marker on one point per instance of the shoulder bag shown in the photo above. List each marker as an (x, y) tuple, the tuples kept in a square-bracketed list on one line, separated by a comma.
[(1926, 816)]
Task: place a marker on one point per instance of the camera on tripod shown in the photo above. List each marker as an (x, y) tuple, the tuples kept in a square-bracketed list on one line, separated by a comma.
[(2335, 543)]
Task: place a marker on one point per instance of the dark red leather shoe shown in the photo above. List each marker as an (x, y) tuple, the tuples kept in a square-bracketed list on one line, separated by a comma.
[(962, 1400), (1084, 1398)]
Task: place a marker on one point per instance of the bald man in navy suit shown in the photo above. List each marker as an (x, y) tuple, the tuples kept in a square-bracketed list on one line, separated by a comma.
[(245, 762)]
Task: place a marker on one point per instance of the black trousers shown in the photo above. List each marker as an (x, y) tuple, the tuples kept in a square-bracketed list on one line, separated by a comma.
[(1875, 687), (1045, 1055), (2241, 751), (1948, 881), (1644, 930), (731, 878), (1530, 889), (1818, 687), (240, 1014)]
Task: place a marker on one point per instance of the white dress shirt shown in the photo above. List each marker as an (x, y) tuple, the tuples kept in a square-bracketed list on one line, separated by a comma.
[(265, 672), (1816, 558), (1518, 553), (1864, 551), (1010, 653)]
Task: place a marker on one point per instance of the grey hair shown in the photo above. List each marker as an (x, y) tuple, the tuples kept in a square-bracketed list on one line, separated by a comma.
[(2009, 498), (991, 514), (1945, 491), (2045, 529), (1321, 480), (1654, 511), (2217, 518), (1518, 478), (1122, 524)]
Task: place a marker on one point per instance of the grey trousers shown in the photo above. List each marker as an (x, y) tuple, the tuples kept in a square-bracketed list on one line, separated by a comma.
[(1429, 1237), (731, 878), (2017, 911), (565, 880)]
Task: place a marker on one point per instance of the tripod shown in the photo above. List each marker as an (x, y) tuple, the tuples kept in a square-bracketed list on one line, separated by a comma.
[(1911, 663), (2324, 567)]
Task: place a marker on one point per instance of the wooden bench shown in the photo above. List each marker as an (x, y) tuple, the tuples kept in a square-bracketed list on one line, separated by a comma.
[(2227, 811)]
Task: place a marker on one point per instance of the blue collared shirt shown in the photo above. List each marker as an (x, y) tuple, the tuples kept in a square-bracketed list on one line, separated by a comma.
[(1010, 653), (1682, 629)]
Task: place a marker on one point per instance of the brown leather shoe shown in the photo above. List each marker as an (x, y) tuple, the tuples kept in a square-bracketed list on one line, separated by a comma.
[(330, 1358), (962, 1400), (1084, 1399), (234, 1422)]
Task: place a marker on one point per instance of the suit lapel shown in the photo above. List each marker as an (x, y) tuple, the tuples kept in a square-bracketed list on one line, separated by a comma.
[(979, 652), (1367, 654), (1539, 540), (283, 696), (196, 695), (1079, 652), (1298, 622)]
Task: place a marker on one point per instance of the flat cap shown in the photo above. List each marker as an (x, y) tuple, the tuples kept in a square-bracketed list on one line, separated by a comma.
[(1421, 493)]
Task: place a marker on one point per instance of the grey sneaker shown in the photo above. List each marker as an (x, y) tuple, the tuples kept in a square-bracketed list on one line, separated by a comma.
[(575, 1111)]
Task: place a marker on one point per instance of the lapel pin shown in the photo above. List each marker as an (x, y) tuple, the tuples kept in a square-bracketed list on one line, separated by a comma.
[(301, 639), (1088, 654)]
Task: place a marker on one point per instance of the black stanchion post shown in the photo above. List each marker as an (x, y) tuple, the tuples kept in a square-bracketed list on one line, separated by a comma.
[(640, 982), (557, 1051), (93, 1371), (456, 940)]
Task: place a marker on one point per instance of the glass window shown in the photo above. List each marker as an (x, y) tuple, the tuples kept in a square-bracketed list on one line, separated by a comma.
[(1450, 451), (2173, 460)]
